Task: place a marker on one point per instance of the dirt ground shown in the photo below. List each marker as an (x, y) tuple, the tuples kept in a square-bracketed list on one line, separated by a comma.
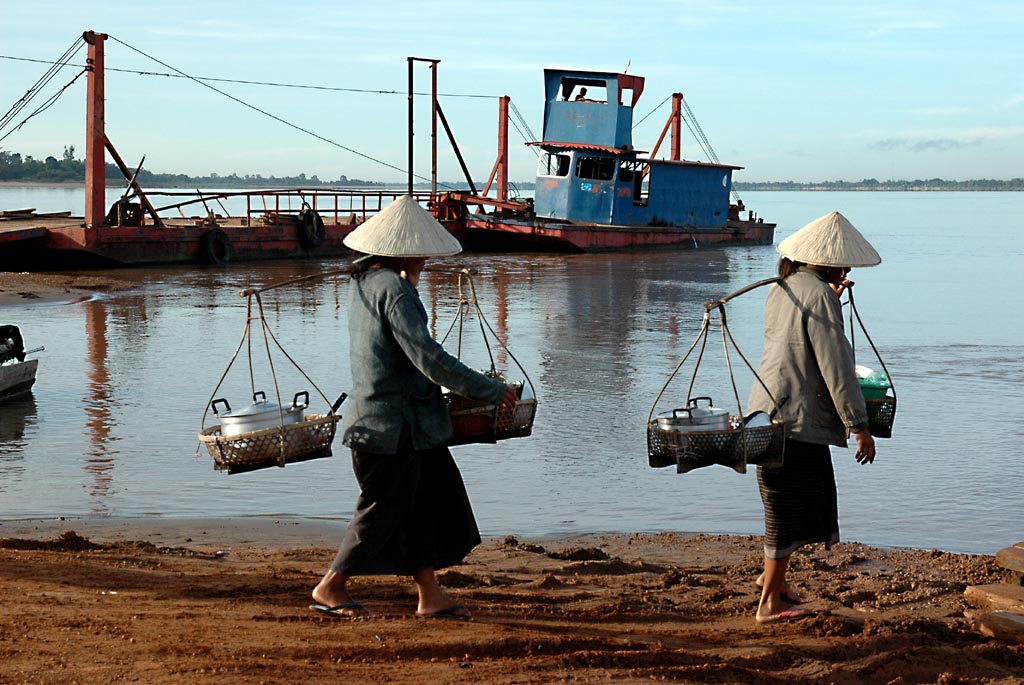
[(209, 601)]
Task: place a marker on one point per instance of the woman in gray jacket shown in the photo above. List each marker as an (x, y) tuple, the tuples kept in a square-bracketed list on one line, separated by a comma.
[(413, 515), (808, 365)]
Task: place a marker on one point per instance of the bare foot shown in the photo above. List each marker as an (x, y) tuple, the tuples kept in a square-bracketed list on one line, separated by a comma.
[(787, 593), (335, 600), (789, 613), (454, 611)]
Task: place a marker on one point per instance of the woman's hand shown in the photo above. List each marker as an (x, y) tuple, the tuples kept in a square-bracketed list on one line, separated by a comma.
[(509, 399), (865, 446)]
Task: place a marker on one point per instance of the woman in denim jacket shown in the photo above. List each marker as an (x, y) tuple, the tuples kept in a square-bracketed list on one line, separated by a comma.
[(413, 515)]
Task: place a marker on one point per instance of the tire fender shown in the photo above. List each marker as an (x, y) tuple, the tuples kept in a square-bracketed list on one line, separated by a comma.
[(215, 247)]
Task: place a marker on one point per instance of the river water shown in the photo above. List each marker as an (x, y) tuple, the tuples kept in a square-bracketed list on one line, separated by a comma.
[(111, 426)]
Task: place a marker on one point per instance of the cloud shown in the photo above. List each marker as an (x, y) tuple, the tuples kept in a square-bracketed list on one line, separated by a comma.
[(1015, 100), (895, 27), (940, 143), (916, 145), (938, 111)]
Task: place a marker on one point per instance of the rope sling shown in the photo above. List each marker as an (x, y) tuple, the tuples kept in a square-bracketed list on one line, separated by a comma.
[(309, 437), (480, 422), (739, 443)]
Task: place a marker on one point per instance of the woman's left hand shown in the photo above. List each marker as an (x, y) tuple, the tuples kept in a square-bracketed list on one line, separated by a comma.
[(865, 446), (509, 399)]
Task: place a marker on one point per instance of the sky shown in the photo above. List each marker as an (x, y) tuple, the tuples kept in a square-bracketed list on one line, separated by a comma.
[(800, 91)]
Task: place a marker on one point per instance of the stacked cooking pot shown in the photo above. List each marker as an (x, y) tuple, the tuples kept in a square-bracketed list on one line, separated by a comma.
[(259, 415)]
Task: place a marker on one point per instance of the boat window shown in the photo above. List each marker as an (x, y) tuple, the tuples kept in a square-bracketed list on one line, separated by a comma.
[(635, 173), (584, 90), (596, 168), (553, 165)]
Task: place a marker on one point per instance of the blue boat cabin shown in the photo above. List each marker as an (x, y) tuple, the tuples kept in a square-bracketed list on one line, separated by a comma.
[(589, 171)]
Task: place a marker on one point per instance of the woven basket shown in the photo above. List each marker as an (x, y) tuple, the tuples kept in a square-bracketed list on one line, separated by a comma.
[(309, 439), (695, 449), (478, 422), (881, 414)]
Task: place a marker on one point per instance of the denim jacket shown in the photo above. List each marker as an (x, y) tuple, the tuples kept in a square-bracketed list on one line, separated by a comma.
[(397, 368), (808, 358)]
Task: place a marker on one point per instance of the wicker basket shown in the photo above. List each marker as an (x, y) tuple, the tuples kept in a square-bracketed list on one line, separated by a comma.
[(691, 450), (309, 439), (881, 414), (479, 422)]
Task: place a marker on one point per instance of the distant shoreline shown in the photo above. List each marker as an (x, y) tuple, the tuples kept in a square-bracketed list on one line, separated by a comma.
[(745, 187)]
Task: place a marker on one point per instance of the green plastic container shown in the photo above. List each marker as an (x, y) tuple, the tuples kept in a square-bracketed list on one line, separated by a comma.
[(874, 387)]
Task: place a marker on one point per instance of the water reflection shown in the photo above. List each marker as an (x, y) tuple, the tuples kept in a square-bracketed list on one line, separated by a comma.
[(598, 336), (98, 403), (18, 417)]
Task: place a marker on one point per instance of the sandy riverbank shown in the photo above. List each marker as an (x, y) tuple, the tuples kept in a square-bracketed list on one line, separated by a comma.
[(152, 601), (25, 288)]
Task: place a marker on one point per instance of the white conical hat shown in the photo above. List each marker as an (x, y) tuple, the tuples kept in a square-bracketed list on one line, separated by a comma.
[(830, 240), (403, 229)]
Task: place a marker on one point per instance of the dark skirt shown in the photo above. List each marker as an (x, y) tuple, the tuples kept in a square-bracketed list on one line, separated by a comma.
[(413, 512), (800, 504)]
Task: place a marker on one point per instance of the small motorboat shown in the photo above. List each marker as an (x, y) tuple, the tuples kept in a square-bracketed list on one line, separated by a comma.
[(17, 372)]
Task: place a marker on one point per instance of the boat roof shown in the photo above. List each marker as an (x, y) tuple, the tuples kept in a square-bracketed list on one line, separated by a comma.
[(619, 152), (586, 146)]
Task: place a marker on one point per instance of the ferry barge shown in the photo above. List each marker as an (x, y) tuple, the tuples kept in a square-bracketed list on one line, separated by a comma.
[(594, 192)]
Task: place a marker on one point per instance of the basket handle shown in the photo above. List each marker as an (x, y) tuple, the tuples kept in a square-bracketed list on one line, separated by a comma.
[(337, 402)]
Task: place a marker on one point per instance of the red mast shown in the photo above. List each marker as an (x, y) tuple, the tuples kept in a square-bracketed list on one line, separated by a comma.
[(95, 135)]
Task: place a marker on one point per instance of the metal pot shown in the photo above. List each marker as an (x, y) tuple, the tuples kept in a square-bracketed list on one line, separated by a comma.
[(694, 418), (260, 414)]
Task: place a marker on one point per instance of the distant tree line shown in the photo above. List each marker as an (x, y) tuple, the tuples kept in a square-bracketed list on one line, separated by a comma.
[(15, 167), (873, 184)]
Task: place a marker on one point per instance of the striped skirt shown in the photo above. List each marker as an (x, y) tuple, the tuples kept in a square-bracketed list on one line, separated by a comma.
[(800, 505)]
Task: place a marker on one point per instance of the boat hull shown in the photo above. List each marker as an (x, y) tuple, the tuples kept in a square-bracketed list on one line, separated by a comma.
[(17, 379), (68, 243), (488, 232)]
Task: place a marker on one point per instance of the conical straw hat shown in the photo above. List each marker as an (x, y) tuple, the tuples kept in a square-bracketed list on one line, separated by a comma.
[(403, 229), (830, 240)]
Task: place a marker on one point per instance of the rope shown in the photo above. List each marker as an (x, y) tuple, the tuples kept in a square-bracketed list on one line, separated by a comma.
[(471, 303), (32, 92), (853, 313), (275, 117)]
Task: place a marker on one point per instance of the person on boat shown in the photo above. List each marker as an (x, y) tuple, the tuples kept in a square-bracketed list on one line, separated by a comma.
[(808, 359), (413, 515), (11, 344), (582, 96)]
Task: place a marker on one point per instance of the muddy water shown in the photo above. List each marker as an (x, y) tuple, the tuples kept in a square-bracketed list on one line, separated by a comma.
[(110, 428)]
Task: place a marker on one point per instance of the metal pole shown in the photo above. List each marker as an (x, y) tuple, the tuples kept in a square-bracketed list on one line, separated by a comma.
[(410, 60), (677, 98), (503, 147), (433, 133), (95, 134)]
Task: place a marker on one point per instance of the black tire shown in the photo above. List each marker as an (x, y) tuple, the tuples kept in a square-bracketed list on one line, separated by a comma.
[(311, 228), (215, 247)]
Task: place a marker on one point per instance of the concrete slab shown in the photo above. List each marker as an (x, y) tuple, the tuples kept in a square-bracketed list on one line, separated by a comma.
[(1002, 625), (996, 597)]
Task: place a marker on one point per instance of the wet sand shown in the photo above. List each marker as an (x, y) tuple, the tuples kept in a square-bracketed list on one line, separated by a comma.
[(26, 288), (181, 600)]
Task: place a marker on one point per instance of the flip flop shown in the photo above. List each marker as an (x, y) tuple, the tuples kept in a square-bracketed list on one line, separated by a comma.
[(338, 610), (793, 614), (451, 613)]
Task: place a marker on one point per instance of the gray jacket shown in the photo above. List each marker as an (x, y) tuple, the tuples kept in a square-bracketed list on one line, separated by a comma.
[(808, 358), (397, 368)]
